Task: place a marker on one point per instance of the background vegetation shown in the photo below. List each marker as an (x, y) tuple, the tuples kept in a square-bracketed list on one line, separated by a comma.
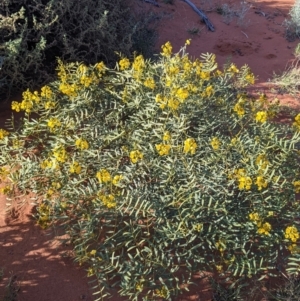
[(34, 33)]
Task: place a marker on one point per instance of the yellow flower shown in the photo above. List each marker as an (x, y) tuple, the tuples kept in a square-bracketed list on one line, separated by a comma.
[(49, 105), (163, 149), (46, 92), (221, 245), (296, 124), (28, 97), (173, 70), (245, 183), (26, 105), (90, 272), (161, 100), (163, 292), (75, 168), (187, 67), (117, 179), (297, 186), (108, 200), (60, 154), (254, 216), (198, 227), (136, 156), (182, 93), (166, 49), (46, 164), (234, 141), (239, 109), (261, 183), (3, 134), (190, 145), (209, 90), (250, 78), (53, 123), (125, 95), (3, 173), (219, 268), (93, 252), (261, 116), (49, 192), (262, 161), (291, 233), (240, 172), (100, 67), (124, 63), (139, 286), (166, 136), (16, 106), (82, 69), (192, 88), (56, 185), (233, 69), (6, 190), (218, 73), (81, 144), (103, 176), (188, 42), (149, 83), (215, 143), (62, 74), (205, 75), (70, 90), (293, 248), (138, 63), (86, 80), (264, 229), (173, 104)]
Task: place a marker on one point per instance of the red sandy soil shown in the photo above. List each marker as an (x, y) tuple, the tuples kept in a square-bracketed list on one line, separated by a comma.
[(32, 260)]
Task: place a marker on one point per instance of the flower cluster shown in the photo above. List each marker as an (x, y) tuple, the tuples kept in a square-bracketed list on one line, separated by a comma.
[(60, 154), (107, 200), (75, 168), (124, 64), (103, 176), (53, 124), (81, 144), (261, 116), (190, 146), (239, 107), (264, 228), (149, 83), (296, 123), (215, 143), (163, 149), (261, 183), (244, 181), (297, 186), (3, 134), (291, 233), (166, 49), (136, 156)]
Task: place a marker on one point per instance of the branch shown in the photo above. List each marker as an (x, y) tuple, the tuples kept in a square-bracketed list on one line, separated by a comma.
[(201, 14), (152, 2)]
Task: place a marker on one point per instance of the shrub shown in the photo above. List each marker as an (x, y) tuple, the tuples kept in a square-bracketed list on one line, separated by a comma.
[(292, 26), (34, 33), (158, 170), (289, 80), (229, 13)]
